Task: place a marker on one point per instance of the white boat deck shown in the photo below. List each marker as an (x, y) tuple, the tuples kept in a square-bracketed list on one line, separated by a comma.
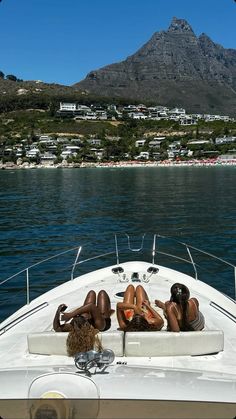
[(199, 373)]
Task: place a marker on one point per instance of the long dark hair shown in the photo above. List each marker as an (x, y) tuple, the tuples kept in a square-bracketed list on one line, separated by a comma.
[(180, 295), (138, 324)]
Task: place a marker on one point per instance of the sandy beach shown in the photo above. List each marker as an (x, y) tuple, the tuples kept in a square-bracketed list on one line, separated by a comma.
[(122, 164)]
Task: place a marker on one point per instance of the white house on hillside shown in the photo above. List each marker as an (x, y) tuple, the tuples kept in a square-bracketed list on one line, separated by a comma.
[(33, 152), (140, 143), (67, 106)]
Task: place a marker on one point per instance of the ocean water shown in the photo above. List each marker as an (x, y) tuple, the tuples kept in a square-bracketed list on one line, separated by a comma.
[(46, 211)]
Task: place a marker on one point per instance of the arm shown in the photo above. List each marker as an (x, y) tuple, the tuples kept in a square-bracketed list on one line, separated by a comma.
[(160, 304), (173, 324), (195, 301), (155, 318), (93, 310), (88, 308), (121, 316), (129, 306), (120, 307), (163, 306), (57, 326)]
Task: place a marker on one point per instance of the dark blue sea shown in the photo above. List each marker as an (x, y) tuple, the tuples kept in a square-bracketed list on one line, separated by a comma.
[(47, 211)]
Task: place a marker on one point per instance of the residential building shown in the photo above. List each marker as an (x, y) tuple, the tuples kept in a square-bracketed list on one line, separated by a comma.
[(177, 112), (137, 115), (140, 143), (155, 143), (70, 150), (197, 142), (143, 155), (225, 140), (67, 106), (45, 138), (187, 120), (94, 141), (33, 152), (98, 152), (47, 158)]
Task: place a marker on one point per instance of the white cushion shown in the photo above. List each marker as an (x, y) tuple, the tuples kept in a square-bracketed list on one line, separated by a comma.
[(113, 340), (172, 344), (54, 343), (136, 343)]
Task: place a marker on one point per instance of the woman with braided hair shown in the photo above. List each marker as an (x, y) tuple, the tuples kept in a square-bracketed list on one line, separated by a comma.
[(182, 312)]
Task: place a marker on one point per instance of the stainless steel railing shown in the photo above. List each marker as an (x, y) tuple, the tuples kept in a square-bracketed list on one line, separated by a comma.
[(119, 250)]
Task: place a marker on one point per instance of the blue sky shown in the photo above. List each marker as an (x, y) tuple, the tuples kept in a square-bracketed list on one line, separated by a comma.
[(62, 40)]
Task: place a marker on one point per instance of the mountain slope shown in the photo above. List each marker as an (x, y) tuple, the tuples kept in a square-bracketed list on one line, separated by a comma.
[(175, 67)]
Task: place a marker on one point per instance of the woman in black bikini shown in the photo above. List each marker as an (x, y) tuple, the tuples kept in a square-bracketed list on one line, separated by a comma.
[(97, 314), (85, 322)]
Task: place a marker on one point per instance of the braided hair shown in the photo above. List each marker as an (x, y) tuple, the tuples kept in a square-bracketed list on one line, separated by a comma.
[(180, 295)]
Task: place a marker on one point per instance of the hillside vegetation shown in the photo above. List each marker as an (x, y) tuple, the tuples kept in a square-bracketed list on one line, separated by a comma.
[(118, 137)]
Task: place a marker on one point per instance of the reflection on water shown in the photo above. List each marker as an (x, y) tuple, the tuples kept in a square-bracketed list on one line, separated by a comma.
[(43, 212)]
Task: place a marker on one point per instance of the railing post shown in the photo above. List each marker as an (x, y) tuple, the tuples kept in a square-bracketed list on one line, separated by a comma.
[(117, 251), (194, 267), (235, 283), (27, 287), (154, 249), (75, 262)]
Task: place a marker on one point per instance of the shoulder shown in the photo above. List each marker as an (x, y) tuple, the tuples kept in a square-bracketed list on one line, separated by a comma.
[(194, 302), (171, 307)]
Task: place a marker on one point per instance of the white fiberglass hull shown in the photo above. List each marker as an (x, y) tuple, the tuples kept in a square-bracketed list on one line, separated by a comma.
[(188, 384)]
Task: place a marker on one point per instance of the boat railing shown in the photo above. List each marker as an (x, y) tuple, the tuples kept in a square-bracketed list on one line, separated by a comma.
[(188, 247), (118, 254), (155, 252), (27, 270), (195, 265)]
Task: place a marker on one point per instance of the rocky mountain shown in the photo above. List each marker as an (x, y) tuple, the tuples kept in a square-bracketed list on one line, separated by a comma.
[(174, 68)]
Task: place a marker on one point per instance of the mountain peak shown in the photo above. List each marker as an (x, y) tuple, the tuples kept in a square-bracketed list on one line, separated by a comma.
[(179, 25), (173, 66)]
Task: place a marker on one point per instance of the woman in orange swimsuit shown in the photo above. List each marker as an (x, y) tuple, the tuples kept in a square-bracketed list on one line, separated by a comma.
[(135, 312)]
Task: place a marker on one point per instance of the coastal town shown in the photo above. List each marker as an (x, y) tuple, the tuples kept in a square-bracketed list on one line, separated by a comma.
[(168, 137)]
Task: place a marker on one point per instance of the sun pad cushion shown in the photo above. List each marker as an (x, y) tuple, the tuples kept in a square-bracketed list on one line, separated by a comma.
[(54, 343), (173, 344), (136, 343)]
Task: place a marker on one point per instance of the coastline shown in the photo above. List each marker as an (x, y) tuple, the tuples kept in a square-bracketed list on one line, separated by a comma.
[(121, 164)]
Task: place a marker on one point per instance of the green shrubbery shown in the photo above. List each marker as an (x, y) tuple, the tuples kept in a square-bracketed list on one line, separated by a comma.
[(117, 139)]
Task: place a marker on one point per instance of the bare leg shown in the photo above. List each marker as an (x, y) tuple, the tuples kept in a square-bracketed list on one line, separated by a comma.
[(128, 303), (129, 295), (98, 318), (90, 298), (104, 304), (141, 296)]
